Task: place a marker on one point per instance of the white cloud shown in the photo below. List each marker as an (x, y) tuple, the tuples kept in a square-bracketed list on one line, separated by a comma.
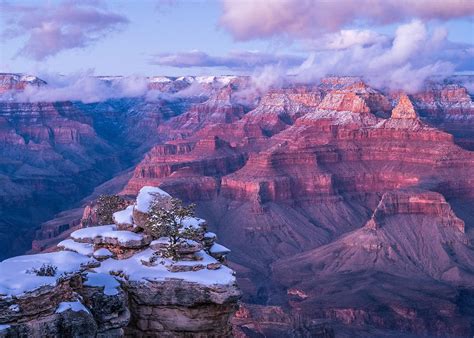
[(50, 28)]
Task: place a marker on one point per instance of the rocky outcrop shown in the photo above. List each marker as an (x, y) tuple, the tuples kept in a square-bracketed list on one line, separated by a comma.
[(280, 108), (273, 321), (109, 282), (404, 109), (423, 203), (450, 108), (9, 82), (413, 238)]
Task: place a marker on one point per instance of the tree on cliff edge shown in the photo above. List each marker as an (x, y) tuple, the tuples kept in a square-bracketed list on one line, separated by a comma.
[(165, 220)]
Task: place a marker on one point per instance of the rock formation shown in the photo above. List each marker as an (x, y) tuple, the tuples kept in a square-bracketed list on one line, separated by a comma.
[(413, 238), (404, 109), (111, 282), (9, 81)]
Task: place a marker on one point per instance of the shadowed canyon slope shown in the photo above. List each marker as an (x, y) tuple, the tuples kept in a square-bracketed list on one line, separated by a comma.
[(339, 201)]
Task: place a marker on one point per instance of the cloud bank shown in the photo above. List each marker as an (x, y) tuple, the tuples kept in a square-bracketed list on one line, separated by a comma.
[(51, 28), (84, 87), (247, 20), (404, 62), (241, 60)]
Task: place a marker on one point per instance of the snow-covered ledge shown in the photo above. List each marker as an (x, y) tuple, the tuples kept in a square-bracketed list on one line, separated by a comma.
[(104, 265)]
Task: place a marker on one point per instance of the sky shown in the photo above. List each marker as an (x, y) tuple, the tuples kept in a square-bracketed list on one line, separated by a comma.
[(389, 41)]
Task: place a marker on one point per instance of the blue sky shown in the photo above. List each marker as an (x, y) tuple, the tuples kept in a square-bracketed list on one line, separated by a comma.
[(149, 37)]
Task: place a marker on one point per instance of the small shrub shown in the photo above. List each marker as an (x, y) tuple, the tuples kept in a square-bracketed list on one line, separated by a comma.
[(107, 205), (47, 270)]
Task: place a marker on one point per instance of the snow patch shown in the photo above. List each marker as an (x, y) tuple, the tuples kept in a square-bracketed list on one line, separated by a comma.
[(210, 235), (83, 248), (103, 252), (16, 277), (92, 232), (136, 271), (159, 79), (4, 327), (123, 236), (108, 282), (218, 249), (124, 216), (76, 306), (145, 197), (14, 308), (193, 222)]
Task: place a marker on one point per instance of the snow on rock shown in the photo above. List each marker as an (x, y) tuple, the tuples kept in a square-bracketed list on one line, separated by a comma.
[(14, 308), (106, 234), (92, 232), (17, 276), (127, 266), (75, 306), (193, 222), (108, 282), (135, 270), (83, 248), (102, 253), (123, 236), (160, 241), (160, 79), (218, 249), (145, 197), (4, 327), (210, 235), (205, 79), (124, 216)]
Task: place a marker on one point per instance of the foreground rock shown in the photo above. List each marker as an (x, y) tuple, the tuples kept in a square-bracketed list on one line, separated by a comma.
[(111, 283)]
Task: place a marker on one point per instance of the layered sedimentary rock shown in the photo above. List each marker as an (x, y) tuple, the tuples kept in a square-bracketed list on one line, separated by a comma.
[(280, 108), (9, 81), (273, 321), (413, 238), (314, 166), (450, 108), (50, 155), (112, 282)]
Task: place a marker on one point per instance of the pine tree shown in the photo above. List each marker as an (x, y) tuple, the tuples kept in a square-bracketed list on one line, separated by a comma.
[(107, 205), (166, 220)]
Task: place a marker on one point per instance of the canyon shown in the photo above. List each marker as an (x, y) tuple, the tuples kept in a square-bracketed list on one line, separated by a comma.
[(347, 208)]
